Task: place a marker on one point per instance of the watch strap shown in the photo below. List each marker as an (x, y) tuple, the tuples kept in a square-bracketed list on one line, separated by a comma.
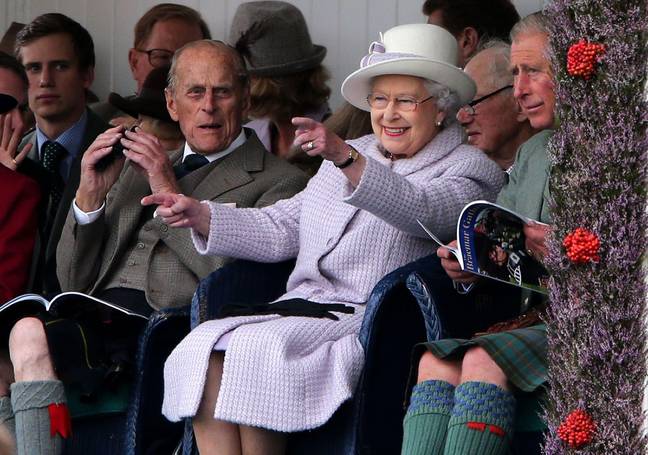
[(353, 156)]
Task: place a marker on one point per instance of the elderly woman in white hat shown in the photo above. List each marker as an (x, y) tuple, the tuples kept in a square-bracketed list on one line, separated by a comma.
[(252, 378)]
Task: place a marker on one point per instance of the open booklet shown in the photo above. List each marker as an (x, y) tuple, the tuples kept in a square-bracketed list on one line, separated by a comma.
[(491, 243), (67, 304)]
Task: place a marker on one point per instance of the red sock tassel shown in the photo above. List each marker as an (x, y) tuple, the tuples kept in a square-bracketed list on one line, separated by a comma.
[(479, 426), (476, 426), (60, 421), (499, 431)]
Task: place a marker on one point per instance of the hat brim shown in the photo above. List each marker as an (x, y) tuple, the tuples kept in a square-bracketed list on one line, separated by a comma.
[(7, 103), (357, 85), (136, 106), (292, 67)]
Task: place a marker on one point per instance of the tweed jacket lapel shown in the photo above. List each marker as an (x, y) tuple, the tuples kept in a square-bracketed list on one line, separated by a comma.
[(224, 175)]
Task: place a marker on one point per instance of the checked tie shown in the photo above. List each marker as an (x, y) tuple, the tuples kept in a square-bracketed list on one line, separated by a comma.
[(53, 154), (190, 164)]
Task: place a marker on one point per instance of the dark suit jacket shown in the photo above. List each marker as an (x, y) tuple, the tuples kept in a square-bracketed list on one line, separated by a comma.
[(18, 221), (43, 270), (89, 255)]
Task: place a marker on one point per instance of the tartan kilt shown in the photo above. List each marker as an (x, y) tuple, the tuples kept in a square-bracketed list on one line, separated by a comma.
[(520, 353)]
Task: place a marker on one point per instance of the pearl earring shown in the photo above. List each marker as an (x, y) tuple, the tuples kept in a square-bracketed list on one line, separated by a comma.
[(438, 124)]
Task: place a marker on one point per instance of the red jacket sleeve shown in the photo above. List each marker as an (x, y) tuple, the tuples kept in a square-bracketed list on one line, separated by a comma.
[(19, 198)]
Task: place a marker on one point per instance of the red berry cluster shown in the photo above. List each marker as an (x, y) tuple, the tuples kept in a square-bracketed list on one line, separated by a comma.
[(582, 57), (577, 429), (582, 246)]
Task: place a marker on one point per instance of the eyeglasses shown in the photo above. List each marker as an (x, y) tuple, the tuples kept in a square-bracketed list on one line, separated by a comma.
[(158, 58), (401, 103), (469, 109)]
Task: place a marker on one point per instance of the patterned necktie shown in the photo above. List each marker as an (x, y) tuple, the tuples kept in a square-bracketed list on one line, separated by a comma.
[(189, 164), (53, 154)]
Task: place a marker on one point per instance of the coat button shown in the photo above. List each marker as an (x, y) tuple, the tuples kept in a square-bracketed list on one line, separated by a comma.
[(140, 245), (164, 228)]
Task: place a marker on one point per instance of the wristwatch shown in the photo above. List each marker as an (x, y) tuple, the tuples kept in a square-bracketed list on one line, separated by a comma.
[(353, 155)]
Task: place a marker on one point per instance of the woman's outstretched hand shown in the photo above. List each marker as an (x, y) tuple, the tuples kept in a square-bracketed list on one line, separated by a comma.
[(315, 139), (178, 210)]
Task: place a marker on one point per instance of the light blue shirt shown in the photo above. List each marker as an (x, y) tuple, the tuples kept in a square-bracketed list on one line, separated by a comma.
[(71, 139)]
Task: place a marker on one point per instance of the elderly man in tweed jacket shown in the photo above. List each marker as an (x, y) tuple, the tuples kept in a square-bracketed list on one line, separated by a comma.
[(118, 243), (113, 248)]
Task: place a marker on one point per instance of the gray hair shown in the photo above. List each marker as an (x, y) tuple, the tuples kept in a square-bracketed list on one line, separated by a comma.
[(534, 23), (499, 72), (447, 101), (238, 65)]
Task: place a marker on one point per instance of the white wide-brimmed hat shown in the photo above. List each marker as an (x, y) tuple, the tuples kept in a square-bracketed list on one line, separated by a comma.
[(422, 50)]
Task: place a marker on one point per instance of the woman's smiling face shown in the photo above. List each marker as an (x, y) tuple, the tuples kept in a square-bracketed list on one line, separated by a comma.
[(404, 133)]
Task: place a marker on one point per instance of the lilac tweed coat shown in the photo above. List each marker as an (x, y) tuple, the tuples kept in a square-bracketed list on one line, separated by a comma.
[(292, 373)]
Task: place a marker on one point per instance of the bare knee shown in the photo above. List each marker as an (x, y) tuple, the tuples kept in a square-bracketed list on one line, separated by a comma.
[(478, 365), (431, 367), (29, 351), (211, 388)]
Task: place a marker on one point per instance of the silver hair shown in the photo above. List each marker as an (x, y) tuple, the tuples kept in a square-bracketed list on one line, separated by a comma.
[(238, 65), (499, 71), (531, 24), (447, 101)]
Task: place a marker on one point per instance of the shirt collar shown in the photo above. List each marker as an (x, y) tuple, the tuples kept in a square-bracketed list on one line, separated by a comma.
[(70, 139), (239, 141)]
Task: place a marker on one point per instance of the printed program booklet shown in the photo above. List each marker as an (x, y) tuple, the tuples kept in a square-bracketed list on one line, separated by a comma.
[(67, 304), (491, 243)]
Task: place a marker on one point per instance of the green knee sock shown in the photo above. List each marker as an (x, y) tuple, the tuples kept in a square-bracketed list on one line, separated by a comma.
[(6, 415), (30, 401), (426, 421), (7, 426), (481, 421)]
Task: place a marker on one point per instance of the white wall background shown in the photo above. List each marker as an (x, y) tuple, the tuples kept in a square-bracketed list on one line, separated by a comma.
[(345, 27)]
